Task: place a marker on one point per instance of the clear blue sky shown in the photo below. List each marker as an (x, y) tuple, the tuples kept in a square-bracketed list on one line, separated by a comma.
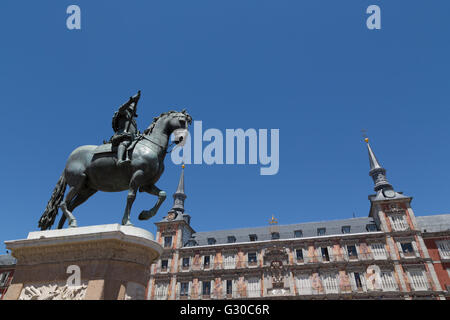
[(310, 68)]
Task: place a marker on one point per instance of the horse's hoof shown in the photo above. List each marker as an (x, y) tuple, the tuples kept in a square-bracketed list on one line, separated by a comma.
[(146, 214), (127, 223), (73, 224), (143, 215)]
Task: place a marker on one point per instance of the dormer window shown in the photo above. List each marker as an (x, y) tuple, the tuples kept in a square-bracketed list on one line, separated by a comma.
[(298, 233), (191, 243), (231, 239), (211, 241), (346, 229), (321, 231), (253, 237), (371, 227), (275, 235)]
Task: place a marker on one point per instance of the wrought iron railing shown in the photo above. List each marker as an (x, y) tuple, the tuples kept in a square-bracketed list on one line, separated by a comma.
[(235, 294)]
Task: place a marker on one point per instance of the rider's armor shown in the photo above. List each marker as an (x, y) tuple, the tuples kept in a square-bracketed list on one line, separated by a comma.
[(125, 128)]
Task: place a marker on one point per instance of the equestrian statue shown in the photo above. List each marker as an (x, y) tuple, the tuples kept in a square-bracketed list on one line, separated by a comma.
[(128, 161)]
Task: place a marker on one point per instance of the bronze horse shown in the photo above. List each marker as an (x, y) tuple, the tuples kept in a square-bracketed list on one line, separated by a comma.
[(93, 168)]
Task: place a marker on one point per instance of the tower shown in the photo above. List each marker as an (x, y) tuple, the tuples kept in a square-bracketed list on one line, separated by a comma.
[(387, 200), (173, 232), (394, 216)]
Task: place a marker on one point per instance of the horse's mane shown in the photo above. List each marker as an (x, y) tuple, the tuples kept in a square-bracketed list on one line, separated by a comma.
[(162, 115)]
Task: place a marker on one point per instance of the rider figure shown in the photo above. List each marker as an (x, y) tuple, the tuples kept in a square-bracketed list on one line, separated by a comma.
[(125, 128)]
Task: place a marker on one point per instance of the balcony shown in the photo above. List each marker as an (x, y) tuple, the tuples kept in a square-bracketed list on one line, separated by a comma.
[(160, 296), (279, 292), (444, 257), (185, 267), (206, 266), (161, 269), (235, 294), (421, 286), (252, 263)]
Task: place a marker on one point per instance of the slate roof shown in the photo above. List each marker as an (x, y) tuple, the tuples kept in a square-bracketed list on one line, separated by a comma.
[(7, 260), (333, 227), (434, 223)]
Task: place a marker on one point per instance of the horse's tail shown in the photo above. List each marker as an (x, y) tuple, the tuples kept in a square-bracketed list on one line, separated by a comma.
[(49, 215)]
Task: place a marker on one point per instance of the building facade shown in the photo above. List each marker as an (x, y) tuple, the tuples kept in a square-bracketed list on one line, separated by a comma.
[(7, 267), (391, 254)]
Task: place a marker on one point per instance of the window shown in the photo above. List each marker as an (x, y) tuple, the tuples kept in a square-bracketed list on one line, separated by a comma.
[(304, 284), (418, 279), (161, 290), (229, 287), (325, 256), (211, 241), (444, 248), (298, 233), (229, 261), (184, 289), (346, 229), (206, 261), (191, 243), (387, 281), (299, 253), (167, 242), (321, 231), (378, 250), (164, 265), (399, 222), (186, 261), (206, 288), (372, 227), (407, 249), (252, 257), (3, 278), (254, 287), (231, 239), (330, 282), (275, 235), (358, 282), (352, 253), (253, 237)]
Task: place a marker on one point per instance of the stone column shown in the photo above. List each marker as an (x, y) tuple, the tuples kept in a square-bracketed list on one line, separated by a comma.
[(104, 262)]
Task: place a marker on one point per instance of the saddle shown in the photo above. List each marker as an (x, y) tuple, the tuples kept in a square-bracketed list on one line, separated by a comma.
[(110, 149)]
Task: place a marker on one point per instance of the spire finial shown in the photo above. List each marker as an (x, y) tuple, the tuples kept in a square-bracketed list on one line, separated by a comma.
[(377, 172), (179, 196), (273, 220)]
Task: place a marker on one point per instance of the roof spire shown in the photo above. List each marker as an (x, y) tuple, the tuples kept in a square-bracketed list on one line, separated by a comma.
[(179, 196), (377, 172)]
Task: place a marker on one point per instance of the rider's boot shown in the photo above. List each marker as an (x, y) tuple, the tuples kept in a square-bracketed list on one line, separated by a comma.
[(120, 152)]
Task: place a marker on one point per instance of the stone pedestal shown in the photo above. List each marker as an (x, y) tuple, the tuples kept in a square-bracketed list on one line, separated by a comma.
[(105, 262)]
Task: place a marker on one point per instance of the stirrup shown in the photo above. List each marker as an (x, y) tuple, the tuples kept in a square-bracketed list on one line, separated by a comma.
[(123, 162)]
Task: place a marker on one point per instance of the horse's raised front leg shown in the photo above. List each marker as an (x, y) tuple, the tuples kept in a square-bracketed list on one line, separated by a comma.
[(135, 182), (152, 189)]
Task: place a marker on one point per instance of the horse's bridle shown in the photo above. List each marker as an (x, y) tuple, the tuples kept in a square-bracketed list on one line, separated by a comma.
[(144, 136)]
